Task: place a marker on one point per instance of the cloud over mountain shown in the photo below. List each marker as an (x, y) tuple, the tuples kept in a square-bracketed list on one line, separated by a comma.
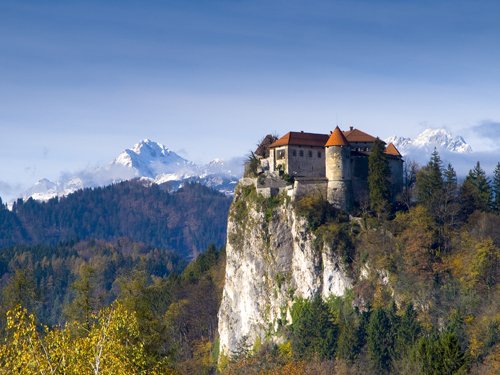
[(147, 160)]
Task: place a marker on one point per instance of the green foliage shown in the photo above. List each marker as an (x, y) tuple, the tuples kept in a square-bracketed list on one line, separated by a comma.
[(251, 165), (430, 181), (186, 221), (312, 330), (20, 290), (317, 210), (380, 339), (496, 188), (440, 354), (76, 278), (379, 175), (476, 191), (408, 331), (338, 237), (351, 325), (86, 301)]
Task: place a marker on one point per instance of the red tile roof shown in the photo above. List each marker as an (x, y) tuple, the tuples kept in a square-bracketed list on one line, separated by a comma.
[(355, 135), (392, 150), (301, 139), (337, 138)]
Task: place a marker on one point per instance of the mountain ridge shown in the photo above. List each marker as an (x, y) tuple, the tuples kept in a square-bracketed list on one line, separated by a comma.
[(427, 140), (149, 161)]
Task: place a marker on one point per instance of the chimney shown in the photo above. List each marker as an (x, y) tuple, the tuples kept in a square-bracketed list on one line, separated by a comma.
[(351, 128)]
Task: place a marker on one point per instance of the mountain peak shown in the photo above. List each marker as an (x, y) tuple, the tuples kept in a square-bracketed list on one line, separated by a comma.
[(149, 161), (152, 147), (439, 138)]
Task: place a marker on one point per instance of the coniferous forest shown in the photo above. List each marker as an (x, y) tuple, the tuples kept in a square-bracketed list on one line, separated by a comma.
[(185, 221), (80, 297)]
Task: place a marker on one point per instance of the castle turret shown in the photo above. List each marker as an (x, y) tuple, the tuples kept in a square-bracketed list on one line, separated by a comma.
[(338, 170), (396, 165)]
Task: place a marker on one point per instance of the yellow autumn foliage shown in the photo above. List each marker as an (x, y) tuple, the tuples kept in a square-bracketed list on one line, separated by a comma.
[(112, 345)]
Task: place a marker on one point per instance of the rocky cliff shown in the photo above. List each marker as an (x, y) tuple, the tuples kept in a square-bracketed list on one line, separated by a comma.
[(273, 258)]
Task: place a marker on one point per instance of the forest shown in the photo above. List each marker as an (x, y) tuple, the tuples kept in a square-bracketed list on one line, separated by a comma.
[(117, 306), (185, 221)]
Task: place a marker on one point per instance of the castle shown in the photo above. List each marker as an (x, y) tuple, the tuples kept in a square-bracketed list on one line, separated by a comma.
[(335, 165)]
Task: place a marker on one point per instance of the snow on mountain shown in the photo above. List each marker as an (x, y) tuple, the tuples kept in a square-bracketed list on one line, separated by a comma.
[(441, 139), (42, 190), (149, 161), (452, 149)]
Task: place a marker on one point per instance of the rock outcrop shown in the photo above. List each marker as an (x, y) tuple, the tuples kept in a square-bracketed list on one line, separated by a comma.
[(273, 258)]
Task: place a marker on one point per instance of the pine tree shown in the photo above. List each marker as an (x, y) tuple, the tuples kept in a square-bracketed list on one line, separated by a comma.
[(378, 178), (476, 189), (450, 205), (496, 188), (380, 340), (313, 332), (85, 303), (408, 331), (430, 183)]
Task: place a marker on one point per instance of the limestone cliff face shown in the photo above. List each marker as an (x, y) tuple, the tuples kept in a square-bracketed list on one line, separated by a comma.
[(272, 258)]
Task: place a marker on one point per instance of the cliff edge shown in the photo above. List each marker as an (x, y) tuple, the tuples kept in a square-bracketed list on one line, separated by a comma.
[(274, 257)]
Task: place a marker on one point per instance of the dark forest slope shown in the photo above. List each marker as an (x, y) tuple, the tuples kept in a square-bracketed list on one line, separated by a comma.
[(185, 221)]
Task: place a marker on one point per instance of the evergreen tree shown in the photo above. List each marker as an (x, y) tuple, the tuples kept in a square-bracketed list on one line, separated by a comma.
[(449, 207), (476, 190), (408, 331), (430, 183), (313, 332), (439, 354), (378, 178), (350, 335), (496, 188), (380, 340), (20, 290), (85, 303)]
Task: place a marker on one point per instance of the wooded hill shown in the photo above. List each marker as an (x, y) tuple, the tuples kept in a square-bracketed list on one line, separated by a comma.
[(185, 221), (428, 303)]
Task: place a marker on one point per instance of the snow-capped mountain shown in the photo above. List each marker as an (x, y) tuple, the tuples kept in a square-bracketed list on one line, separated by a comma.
[(150, 161), (441, 139), (452, 149)]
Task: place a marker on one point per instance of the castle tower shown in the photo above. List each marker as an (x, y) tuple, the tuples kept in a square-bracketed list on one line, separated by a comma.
[(338, 170)]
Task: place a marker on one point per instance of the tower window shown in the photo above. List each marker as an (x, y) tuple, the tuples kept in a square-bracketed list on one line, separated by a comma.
[(294, 152), (319, 154), (310, 154), (301, 153)]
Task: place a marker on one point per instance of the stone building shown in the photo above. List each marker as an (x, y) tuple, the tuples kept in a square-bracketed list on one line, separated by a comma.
[(335, 165)]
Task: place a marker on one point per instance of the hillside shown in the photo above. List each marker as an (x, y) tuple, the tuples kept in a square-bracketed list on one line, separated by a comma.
[(410, 288), (185, 221), (301, 288)]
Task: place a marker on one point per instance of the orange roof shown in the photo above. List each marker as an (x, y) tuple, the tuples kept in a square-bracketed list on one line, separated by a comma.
[(392, 150), (355, 135), (301, 139), (337, 138)]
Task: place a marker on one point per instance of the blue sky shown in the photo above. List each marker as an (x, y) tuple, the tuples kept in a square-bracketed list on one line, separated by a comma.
[(82, 80)]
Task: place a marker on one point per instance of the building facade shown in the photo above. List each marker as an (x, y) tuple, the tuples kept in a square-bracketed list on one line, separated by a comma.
[(335, 164)]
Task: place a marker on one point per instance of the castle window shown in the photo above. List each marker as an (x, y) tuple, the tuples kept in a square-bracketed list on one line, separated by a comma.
[(310, 154), (301, 153), (294, 152), (319, 154), (280, 154)]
